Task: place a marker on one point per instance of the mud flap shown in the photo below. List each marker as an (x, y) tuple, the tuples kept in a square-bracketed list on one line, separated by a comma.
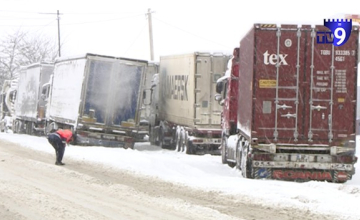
[(262, 173), (341, 176)]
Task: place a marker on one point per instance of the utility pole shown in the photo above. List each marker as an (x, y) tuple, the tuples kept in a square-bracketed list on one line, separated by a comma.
[(150, 35), (58, 21)]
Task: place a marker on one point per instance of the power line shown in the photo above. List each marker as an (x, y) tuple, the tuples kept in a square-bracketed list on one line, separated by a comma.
[(58, 21), (33, 25), (100, 21), (100, 13), (76, 13), (3, 17), (47, 25), (135, 39), (11, 11), (78, 23), (188, 32)]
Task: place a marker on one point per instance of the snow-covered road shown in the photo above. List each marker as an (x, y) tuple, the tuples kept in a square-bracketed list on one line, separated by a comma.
[(151, 183)]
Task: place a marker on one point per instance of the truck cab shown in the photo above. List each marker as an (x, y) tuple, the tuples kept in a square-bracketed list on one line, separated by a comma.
[(227, 92)]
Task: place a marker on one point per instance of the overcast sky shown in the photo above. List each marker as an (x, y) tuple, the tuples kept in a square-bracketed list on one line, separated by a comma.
[(120, 28)]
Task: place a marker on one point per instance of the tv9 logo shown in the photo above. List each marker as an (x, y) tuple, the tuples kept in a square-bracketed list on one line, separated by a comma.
[(340, 32)]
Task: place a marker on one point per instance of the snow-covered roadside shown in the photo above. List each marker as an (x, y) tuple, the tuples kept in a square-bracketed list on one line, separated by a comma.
[(207, 172)]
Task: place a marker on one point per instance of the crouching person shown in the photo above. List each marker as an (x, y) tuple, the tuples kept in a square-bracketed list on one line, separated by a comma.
[(58, 139)]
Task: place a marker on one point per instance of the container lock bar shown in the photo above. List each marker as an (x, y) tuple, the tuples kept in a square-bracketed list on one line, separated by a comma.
[(318, 107), (288, 115), (283, 106)]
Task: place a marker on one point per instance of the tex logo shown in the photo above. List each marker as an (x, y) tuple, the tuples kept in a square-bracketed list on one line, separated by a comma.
[(340, 30)]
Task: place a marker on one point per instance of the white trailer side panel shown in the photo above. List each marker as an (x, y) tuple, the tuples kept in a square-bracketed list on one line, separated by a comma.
[(27, 93), (66, 89), (176, 87)]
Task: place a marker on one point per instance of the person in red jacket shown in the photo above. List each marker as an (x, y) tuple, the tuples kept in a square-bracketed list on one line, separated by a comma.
[(58, 140)]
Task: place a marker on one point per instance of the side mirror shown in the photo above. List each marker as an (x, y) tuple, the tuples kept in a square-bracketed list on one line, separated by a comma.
[(219, 87), (217, 97), (144, 94), (222, 102), (146, 100)]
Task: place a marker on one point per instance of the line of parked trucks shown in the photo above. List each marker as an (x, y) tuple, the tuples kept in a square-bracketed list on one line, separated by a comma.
[(98, 97), (282, 106)]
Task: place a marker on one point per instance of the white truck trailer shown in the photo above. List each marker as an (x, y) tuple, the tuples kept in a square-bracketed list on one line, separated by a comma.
[(30, 105), (99, 98), (184, 116)]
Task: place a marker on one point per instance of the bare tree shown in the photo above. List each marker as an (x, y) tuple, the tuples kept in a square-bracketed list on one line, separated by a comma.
[(21, 49)]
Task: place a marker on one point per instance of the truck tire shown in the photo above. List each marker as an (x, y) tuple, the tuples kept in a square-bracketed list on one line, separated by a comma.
[(189, 148), (177, 141), (161, 139), (239, 146), (18, 127), (15, 127), (245, 163), (182, 141), (223, 151), (238, 158), (151, 136), (29, 128)]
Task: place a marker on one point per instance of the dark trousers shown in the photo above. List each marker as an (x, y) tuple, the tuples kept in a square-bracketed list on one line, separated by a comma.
[(58, 145)]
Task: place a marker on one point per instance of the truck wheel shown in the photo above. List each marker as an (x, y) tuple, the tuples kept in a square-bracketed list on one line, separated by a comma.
[(151, 136), (29, 128), (239, 146), (18, 127), (189, 148), (161, 139), (238, 158), (183, 141), (186, 145), (177, 141), (155, 131), (181, 144), (15, 126), (223, 151), (245, 163)]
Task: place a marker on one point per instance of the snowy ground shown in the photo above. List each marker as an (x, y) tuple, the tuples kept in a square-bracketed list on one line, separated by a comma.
[(207, 173)]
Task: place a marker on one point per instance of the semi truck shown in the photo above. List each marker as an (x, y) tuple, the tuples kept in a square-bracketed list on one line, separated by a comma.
[(183, 114), (152, 69), (294, 99), (98, 97), (30, 105), (7, 103)]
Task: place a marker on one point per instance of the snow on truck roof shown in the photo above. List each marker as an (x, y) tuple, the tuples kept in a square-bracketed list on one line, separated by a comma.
[(203, 53), (83, 56), (33, 65)]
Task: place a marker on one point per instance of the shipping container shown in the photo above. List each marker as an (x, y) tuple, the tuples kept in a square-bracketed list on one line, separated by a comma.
[(296, 105)]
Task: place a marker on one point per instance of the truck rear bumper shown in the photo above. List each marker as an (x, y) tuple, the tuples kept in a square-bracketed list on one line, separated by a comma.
[(303, 165), (125, 142), (206, 141), (207, 149), (302, 174)]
